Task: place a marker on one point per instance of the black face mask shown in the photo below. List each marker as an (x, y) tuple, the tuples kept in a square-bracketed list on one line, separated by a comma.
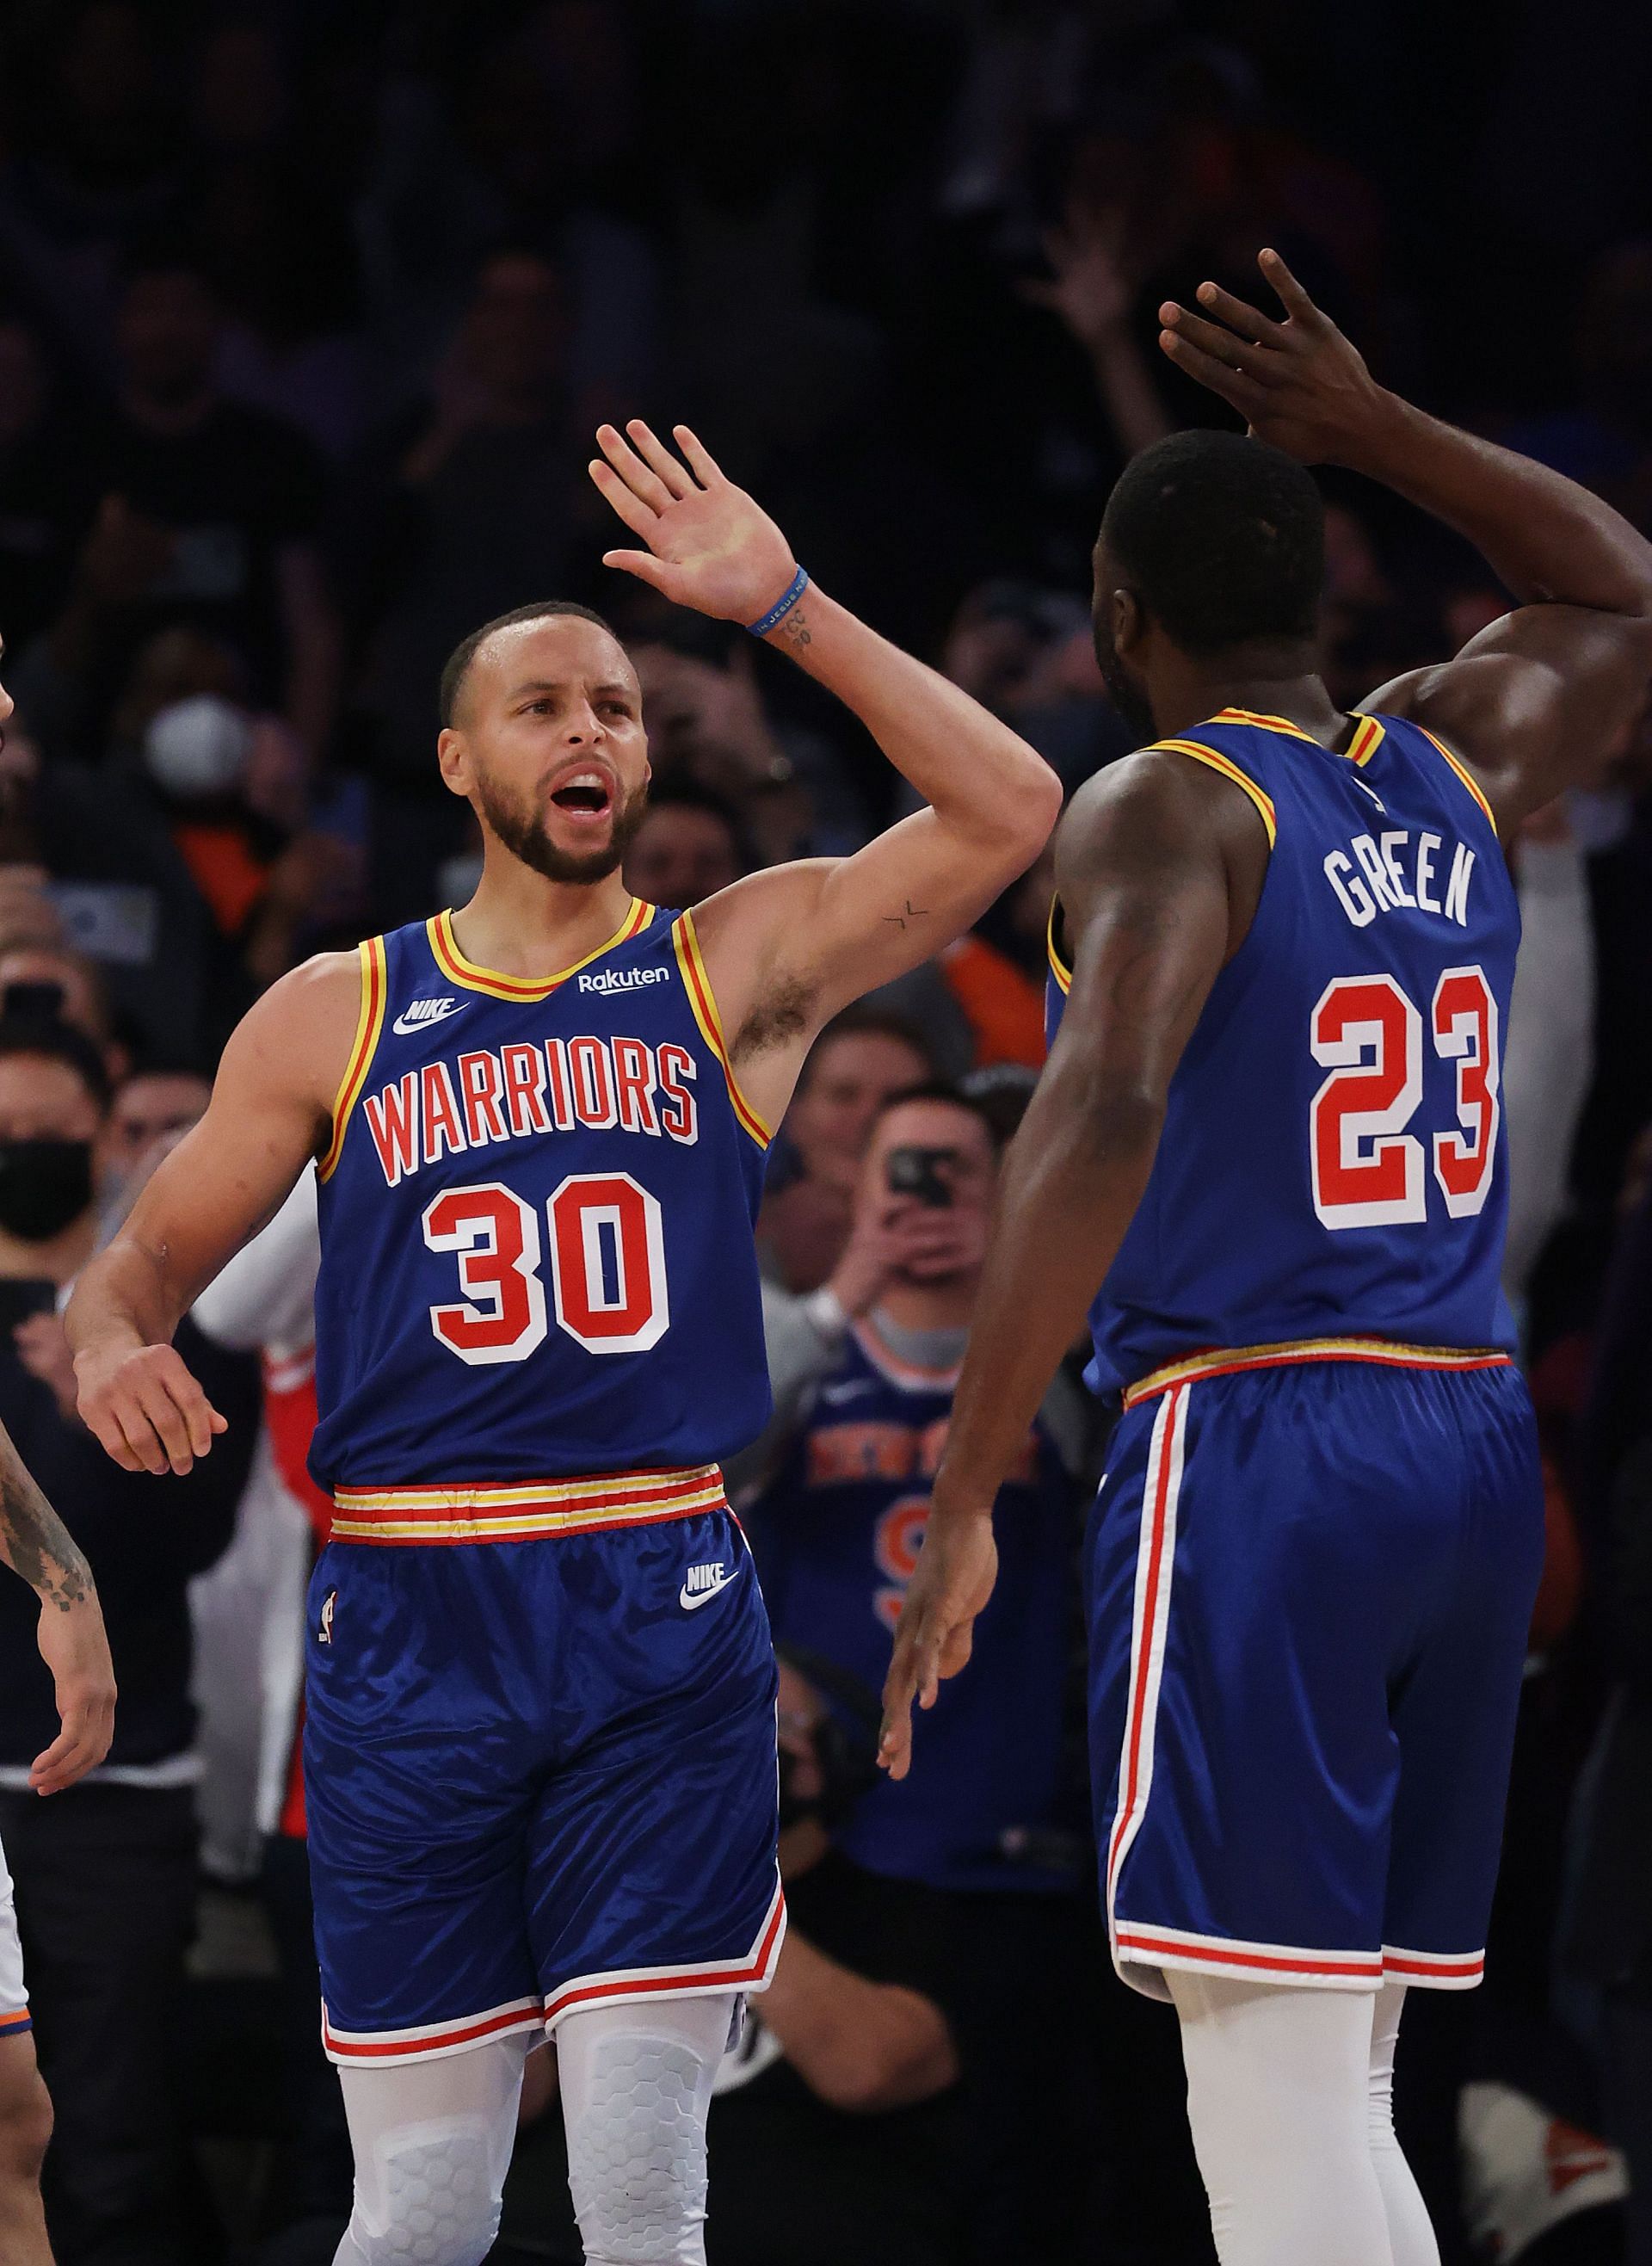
[(44, 1185)]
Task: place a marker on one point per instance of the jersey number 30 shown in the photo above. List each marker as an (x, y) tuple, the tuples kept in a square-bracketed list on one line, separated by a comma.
[(1369, 1169), (608, 1283)]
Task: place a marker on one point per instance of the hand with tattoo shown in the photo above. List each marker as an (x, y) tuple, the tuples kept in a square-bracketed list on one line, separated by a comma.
[(35, 1543)]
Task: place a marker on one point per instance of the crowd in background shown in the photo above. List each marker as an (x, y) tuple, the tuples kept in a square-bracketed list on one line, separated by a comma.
[(307, 316)]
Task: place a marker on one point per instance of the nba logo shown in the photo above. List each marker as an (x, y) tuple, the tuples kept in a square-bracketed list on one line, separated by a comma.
[(325, 1633)]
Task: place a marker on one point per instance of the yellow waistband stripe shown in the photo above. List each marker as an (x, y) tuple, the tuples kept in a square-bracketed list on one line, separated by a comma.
[(523, 1510), (1385, 1352)]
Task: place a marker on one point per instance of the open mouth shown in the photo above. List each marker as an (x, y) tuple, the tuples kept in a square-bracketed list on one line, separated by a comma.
[(585, 796)]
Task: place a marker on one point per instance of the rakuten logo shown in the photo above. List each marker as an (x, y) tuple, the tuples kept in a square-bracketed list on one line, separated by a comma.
[(625, 979)]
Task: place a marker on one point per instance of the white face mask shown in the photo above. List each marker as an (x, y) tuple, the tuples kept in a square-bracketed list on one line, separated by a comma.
[(197, 748)]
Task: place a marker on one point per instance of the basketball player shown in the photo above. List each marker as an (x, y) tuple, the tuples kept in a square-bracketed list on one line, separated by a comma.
[(36, 1544), (1268, 1136), (539, 1756)]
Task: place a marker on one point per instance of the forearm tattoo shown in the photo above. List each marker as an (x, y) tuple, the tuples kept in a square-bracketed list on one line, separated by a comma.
[(33, 1541)]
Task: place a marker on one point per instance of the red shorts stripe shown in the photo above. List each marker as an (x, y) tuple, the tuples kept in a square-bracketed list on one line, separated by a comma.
[(1173, 1952)]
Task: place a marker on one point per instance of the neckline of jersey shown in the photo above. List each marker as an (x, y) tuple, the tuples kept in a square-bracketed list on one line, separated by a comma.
[(452, 962), (1368, 734)]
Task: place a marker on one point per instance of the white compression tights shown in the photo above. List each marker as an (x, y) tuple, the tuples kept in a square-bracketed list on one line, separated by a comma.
[(1289, 2095), (433, 2141)]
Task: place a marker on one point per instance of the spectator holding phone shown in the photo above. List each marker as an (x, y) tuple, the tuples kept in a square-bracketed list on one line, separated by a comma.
[(990, 1822)]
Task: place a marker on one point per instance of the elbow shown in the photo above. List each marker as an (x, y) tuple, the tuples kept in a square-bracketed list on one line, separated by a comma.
[(1038, 799), (909, 2057)]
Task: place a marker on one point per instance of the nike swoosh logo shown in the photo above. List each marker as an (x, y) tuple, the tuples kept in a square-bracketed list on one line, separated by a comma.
[(407, 1030), (692, 1600), (835, 1395)]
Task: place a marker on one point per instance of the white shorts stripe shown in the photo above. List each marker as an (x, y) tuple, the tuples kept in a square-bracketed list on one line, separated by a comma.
[(1150, 1626)]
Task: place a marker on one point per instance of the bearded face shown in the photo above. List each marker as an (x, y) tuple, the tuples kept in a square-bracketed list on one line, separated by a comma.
[(578, 832)]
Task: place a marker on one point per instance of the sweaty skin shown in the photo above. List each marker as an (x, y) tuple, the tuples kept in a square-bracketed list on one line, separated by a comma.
[(1160, 865), (551, 708)]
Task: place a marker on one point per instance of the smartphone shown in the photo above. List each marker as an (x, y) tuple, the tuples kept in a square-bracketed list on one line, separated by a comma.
[(911, 1172), (21, 1296)]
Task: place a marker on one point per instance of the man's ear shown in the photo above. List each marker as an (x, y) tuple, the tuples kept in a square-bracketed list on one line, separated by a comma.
[(1128, 620), (453, 759)]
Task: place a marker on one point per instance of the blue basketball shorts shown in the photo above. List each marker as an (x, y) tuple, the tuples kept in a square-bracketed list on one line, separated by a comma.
[(540, 1775), (1308, 1588)]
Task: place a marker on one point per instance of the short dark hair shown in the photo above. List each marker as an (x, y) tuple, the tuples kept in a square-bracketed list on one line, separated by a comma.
[(1221, 538), (28, 1033), (951, 1097), (457, 665), (863, 1020)]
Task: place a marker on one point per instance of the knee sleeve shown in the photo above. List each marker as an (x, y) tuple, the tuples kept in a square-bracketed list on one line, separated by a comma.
[(432, 2147), (636, 2087)]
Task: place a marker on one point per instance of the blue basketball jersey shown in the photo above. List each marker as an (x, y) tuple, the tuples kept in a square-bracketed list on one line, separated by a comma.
[(837, 1536), (535, 1221), (1333, 1161)]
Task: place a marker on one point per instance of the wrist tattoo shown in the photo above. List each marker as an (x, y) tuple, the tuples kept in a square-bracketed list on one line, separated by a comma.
[(35, 1541), (795, 629)]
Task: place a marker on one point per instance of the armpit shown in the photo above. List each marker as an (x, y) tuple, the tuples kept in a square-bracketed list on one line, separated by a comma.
[(784, 1015)]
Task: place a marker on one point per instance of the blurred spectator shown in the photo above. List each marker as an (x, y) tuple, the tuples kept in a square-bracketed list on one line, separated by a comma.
[(839, 2128), (708, 724), (153, 1105), (688, 847), (106, 1881), (206, 514), (253, 1602), (471, 497), (862, 1057), (37, 509), (82, 996), (993, 1817)]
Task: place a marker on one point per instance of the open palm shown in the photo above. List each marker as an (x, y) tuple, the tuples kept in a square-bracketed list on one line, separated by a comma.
[(709, 547)]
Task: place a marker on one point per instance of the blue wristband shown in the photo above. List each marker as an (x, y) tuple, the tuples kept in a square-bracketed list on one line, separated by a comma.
[(782, 607)]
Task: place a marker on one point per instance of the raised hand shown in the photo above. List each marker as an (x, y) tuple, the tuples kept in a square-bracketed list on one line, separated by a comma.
[(1299, 384), (709, 547)]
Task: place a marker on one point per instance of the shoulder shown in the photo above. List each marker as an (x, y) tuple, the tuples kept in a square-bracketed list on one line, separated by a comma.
[(1152, 809), (301, 1032)]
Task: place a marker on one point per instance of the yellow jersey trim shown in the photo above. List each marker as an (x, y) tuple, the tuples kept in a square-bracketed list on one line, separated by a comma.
[(370, 1022), (444, 948), (1463, 773), (1217, 762), (1368, 737), (1387, 1352), (1058, 968), (697, 986), (1265, 723)]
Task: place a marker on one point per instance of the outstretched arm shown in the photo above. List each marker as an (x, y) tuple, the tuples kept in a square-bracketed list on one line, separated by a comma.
[(816, 935), (1533, 702), (36, 1544), (1159, 865), (269, 1115)]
